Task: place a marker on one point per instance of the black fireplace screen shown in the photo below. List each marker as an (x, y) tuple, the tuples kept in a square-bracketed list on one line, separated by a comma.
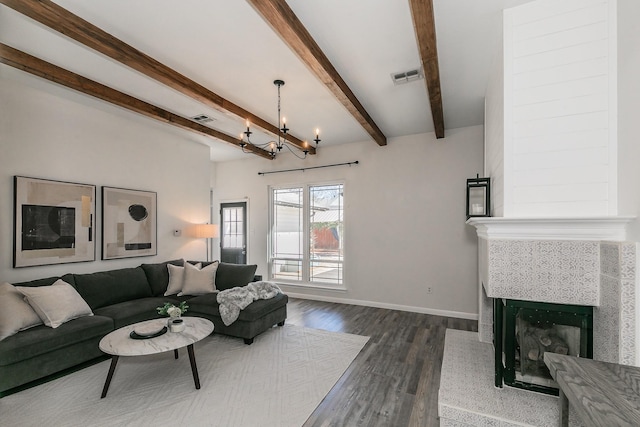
[(525, 330)]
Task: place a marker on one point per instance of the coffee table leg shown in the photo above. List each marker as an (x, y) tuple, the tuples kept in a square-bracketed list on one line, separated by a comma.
[(194, 368), (112, 368), (175, 353)]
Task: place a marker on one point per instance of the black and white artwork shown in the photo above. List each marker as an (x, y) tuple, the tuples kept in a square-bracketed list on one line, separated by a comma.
[(128, 223), (54, 222)]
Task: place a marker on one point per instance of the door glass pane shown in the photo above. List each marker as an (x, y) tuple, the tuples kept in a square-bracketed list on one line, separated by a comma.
[(326, 234), (233, 227)]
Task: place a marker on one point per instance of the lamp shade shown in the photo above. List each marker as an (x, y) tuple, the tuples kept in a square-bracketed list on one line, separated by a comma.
[(206, 231)]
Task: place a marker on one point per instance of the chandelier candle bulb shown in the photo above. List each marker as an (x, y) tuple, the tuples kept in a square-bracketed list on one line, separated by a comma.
[(281, 142)]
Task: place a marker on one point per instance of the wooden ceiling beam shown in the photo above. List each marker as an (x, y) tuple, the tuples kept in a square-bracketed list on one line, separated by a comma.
[(25, 62), (284, 22), (61, 20), (425, 28)]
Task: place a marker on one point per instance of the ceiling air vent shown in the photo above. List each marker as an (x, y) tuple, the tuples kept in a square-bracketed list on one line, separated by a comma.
[(406, 77), (202, 118)]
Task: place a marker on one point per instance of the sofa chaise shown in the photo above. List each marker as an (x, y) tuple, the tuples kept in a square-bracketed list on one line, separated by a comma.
[(118, 298)]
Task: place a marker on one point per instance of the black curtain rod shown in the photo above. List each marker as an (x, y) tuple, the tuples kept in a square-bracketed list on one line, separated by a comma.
[(312, 167)]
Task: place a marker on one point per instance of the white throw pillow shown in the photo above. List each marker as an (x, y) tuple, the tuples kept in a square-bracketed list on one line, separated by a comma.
[(56, 304), (176, 278), (15, 313), (199, 281)]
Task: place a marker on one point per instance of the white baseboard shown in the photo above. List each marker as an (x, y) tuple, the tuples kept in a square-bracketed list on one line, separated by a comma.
[(422, 310)]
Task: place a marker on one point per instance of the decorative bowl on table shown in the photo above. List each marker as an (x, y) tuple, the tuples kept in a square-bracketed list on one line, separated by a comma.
[(148, 330)]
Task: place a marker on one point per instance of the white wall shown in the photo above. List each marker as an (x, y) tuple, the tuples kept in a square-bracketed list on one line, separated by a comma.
[(628, 114), (413, 188), (51, 132), (560, 108), (494, 135), (629, 128)]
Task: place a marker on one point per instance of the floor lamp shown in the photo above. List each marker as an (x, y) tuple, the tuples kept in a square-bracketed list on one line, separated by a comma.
[(206, 231)]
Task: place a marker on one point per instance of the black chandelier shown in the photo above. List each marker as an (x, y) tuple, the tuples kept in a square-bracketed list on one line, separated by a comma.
[(275, 147)]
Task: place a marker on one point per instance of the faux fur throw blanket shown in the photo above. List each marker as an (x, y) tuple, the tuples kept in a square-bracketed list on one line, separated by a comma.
[(235, 299)]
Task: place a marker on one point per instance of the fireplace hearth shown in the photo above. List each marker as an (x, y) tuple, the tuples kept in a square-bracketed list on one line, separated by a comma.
[(525, 330)]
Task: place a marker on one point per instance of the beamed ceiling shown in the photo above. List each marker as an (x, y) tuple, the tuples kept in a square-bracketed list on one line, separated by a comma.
[(171, 61)]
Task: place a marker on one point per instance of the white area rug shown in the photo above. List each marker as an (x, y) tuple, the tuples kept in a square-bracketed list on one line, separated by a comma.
[(279, 380)]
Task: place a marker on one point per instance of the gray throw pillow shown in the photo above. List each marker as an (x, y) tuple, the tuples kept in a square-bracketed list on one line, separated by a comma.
[(176, 278), (56, 304), (231, 275), (158, 275), (16, 314), (199, 281)]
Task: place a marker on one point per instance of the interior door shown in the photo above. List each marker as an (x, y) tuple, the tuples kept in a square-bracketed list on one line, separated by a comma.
[(233, 238)]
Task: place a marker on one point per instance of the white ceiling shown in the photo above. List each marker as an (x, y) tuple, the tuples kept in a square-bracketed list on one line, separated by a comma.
[(227, 47)]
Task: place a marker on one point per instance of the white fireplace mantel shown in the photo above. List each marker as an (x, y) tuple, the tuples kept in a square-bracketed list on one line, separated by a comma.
[(607, 228), (577, 261)]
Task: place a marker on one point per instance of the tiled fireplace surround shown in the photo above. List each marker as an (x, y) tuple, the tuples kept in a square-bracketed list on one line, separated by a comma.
[(566, 261), (580, 261)]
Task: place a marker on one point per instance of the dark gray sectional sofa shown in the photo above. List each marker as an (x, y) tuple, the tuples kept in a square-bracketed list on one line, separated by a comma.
[(118, 298)]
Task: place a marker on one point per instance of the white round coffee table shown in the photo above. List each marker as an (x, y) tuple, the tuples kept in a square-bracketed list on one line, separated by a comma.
[(119, 343)]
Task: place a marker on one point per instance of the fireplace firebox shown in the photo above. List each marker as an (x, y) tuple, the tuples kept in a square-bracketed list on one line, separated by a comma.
[(525, 330)]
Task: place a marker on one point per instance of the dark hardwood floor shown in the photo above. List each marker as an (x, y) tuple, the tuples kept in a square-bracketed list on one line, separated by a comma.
[(394, 380)]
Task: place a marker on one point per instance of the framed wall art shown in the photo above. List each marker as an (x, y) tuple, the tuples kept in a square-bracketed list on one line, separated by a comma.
[(54, 222), (129, 223)]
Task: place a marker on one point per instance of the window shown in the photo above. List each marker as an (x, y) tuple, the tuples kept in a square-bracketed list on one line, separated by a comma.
[(307, 234), (233, 227)]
